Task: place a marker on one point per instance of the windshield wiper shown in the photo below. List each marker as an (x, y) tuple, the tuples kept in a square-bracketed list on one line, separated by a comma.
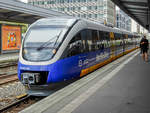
[(48, 42), (57, 39)]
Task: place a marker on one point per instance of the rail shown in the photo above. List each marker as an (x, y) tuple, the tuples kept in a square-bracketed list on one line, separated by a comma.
[(8, 64), (20, 104)]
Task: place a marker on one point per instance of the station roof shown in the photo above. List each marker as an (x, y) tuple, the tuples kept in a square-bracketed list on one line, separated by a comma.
[(139, 10), (15, 11)]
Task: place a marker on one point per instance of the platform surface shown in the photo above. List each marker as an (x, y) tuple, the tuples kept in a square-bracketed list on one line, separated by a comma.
[(127, 92), (122, 86), (9, 57)]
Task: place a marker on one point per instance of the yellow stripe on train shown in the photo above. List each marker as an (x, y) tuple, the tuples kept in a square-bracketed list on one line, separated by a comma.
[(92, 68)]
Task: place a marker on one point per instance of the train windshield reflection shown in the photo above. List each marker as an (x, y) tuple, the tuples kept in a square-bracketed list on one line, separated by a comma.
[(41, 44)]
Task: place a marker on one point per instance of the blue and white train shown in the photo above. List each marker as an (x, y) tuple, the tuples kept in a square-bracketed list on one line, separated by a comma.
[(60, 49)]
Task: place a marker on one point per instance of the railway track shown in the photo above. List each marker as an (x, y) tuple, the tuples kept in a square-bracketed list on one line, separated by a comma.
[(8, 64), (7, 78), (8, 72), (18, 105)]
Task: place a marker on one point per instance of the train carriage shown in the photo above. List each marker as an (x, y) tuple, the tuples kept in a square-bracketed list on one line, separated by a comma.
[(60, 49)]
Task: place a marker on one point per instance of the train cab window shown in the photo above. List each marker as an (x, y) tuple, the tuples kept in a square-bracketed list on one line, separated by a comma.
[(75, 45)]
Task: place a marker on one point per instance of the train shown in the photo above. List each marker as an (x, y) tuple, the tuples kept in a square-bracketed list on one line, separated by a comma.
[(56, 50)]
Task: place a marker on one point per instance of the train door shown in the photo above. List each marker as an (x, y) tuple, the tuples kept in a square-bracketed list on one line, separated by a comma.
[(126, 42), (131, 42), (105, 44), (83, 57), (88, 58), (112, 45), (90, 48), (84, 40), (76, 55), (93, 48), (134, 38), (119, 44), (122, 43), (116, 44)]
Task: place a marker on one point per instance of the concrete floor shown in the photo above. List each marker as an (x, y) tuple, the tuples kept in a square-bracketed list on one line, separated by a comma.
[(119, 87), (127, 92)]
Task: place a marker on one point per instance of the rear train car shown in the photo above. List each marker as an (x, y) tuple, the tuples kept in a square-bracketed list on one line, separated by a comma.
[(60, 49)]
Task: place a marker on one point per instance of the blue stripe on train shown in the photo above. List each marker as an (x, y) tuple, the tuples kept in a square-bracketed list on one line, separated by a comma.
[(67, 68)]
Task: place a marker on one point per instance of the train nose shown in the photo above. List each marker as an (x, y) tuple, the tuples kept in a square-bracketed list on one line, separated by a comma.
[(34, 78), (30, 78)]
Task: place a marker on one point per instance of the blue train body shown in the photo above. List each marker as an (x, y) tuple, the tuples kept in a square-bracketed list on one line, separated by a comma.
[(60, 49), (68, 68)]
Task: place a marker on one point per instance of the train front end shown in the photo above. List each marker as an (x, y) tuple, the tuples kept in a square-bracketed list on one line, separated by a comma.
[(39, 55)]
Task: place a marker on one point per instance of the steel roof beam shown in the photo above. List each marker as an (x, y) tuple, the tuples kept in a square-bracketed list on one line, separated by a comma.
[(148, 14), (30, 17), (134, 11), (127, 7), (139, 13), (135, 3), (11, 10), (144, 9), (11, 14), (122, 7)]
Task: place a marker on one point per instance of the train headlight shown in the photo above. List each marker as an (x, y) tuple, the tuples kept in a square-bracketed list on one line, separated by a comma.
[(25, 51), (54, 51)]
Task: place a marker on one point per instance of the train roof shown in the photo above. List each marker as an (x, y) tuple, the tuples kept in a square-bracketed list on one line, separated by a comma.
[(68, 21), (63, 21), (98, 25)]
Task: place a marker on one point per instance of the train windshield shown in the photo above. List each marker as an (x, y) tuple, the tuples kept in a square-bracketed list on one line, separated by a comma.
[(41, 43)]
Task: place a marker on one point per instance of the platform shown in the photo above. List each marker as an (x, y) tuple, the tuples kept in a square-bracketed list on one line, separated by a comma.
[(122, 86), (9, 57)]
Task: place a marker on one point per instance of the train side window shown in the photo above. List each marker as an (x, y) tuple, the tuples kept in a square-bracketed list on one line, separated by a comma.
[(75, 45), (119, 41), (107, 40), (101, 35), (124, 38), (89, 39), (95, 38), (101, 44), (106, 35), (84, 40), (100, 38)]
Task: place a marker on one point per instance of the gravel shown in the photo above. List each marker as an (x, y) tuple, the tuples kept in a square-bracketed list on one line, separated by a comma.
[(9, 92)]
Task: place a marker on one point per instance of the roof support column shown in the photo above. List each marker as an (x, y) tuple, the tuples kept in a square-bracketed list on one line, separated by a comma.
[(148, 15)]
